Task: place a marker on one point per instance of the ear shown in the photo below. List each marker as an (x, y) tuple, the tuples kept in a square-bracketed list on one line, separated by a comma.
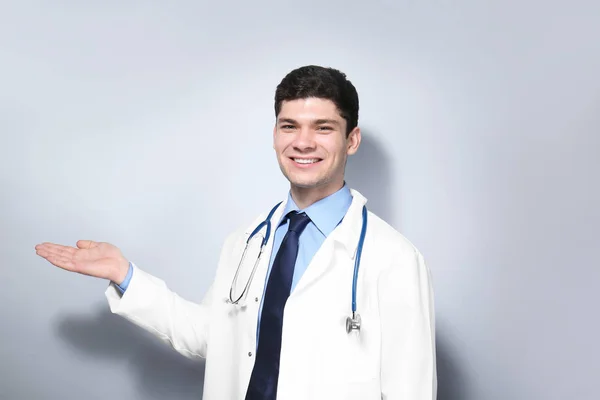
[(353, 141), (274, 134)]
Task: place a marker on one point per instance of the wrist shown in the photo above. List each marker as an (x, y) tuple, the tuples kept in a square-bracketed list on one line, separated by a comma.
[(121, 271)]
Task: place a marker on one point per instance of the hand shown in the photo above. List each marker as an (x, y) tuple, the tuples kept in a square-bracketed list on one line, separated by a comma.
[(101, 260)]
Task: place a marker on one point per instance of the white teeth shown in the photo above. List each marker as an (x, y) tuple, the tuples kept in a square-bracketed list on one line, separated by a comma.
[(306, 161)]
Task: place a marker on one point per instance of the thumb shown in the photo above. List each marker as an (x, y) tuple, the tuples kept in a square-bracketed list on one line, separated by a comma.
[(86, 244)]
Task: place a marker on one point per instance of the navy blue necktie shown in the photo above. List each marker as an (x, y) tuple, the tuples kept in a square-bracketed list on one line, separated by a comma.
[(263, 381)]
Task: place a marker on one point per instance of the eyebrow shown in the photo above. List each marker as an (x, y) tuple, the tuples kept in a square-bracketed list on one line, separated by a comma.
[(287, 121), (317, 122), (326, 121)]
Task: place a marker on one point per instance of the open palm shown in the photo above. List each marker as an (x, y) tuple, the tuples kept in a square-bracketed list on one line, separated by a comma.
[(98, 259)]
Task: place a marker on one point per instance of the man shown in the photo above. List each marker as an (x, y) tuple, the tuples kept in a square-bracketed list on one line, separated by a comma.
[(287, 338)]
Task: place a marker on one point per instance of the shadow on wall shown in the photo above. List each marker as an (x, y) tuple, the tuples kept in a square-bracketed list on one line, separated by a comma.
[(370, 172), (161, 372), (451, 384)]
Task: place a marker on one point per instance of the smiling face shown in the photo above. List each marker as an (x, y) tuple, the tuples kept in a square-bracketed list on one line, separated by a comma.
[(312, 147)]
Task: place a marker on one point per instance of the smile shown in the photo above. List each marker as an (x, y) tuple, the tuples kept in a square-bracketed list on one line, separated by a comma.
[(306, 160)]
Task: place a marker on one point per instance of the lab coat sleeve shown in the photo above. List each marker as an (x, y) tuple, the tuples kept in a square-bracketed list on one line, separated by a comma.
[(408, 364), (151, 305)]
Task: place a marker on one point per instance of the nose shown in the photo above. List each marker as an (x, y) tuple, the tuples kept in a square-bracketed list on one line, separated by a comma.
[(304, 140)]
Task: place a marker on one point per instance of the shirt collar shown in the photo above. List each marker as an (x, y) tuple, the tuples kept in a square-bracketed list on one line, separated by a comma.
[(326, 213)]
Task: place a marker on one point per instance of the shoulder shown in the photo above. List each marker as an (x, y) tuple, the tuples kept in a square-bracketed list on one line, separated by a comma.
[(248, 224), (398, 264), (387, 239), (245, 227)]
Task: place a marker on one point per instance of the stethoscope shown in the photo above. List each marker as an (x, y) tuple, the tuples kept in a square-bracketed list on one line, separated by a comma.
[(352, 323)]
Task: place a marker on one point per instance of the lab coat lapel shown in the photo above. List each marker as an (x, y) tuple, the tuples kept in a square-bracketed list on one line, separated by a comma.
[(258, 282), (345, 235), (261, 270)]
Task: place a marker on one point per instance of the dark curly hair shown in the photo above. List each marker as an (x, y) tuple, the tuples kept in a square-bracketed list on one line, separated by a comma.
[(324, 83)]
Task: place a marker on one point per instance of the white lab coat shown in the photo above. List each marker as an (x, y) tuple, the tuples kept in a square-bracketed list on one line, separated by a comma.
[(393, 356)]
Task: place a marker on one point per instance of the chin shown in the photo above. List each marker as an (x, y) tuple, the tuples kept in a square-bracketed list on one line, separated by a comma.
[(305, 180), (307, 183), (304, 183)]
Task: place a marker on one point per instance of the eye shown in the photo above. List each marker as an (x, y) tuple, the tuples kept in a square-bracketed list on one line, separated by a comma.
[(287, 127), (325, 128)]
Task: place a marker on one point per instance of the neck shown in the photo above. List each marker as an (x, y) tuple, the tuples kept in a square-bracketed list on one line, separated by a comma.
[(305, 197)]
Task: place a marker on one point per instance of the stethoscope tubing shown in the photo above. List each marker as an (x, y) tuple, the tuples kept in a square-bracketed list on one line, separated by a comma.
[(352, 323)]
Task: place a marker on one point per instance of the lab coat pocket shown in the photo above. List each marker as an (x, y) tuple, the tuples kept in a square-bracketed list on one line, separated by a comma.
[(359, 360), (364, 390), (361, 371), (348, 365), (349, 377)]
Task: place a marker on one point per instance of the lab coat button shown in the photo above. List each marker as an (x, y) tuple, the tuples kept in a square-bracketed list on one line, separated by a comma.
[(249, 354), (256, 299)]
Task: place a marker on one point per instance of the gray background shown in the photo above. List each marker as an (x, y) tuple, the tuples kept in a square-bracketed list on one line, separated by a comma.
[(148, 125)]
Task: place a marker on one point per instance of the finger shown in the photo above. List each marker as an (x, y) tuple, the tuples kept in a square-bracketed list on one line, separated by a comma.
[(61, 262), (86, 244), (58, 249), (45, 245), (46, 253)]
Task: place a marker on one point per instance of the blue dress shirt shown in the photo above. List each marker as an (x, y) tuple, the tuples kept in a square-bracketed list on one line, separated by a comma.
[(325, 215)]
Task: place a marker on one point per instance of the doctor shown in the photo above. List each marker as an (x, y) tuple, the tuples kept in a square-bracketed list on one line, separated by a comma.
[(283, 327)]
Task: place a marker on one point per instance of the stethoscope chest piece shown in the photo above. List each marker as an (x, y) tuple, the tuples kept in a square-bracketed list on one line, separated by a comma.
[(353, 323)]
